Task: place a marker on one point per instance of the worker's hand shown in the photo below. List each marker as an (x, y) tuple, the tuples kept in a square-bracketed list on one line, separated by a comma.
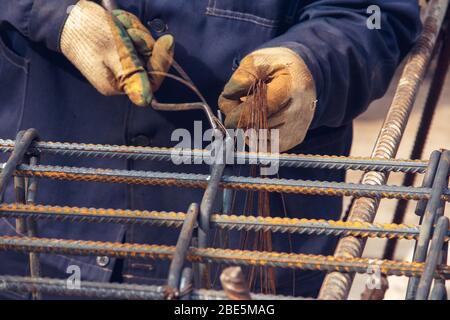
[(291, 93), (113, 52)]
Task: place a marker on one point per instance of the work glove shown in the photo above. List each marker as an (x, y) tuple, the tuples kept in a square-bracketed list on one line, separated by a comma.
[(291, 94), (114, 52)]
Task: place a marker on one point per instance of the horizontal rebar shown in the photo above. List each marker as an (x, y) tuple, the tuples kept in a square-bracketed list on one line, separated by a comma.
[(225, 222), (212, 255), (167, 154), (189, 180), (100, 290)]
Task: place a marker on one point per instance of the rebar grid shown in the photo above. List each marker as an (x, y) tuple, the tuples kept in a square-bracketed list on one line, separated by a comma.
[(337, 286), (426, 267)]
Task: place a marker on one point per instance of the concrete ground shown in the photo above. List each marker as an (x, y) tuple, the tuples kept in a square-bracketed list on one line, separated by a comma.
[(367, 127)]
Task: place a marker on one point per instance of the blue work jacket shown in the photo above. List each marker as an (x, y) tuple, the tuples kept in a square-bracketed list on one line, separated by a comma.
[(39, 88)]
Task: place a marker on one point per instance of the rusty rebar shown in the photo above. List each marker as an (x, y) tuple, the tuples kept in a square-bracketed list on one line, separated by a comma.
[(213, 255), (337, 285)]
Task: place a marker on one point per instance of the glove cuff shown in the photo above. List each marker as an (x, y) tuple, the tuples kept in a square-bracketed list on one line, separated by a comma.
[(86, 41)]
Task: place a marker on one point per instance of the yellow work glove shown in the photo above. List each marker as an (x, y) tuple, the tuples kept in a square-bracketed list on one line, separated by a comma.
[(114, 52), (291, 94)]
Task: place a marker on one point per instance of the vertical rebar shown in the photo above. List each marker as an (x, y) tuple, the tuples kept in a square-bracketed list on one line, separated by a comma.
[(433, 96), (35, 266), (433, 259), (433, 210), (337, 285), (181, 251)]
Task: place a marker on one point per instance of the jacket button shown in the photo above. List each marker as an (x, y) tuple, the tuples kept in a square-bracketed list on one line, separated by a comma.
[(157, 25), (102, 261), (140, 141)]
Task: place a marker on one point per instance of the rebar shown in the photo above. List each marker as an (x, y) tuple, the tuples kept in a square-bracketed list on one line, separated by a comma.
[(212, 255), (432, 259), (433, 211), (100, 290), (336, 285), (181, 250), (189, 180), (220, 221), (168, 154)]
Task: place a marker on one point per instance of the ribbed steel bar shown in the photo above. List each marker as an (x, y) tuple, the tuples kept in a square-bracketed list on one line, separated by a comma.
[(167, 154), (212, 255), (29, 197), (181, 249), (188, 180), (206, 206), (336, 285), (433, 259), (24, 140), (225, 222), (434, 209), (100, 290)]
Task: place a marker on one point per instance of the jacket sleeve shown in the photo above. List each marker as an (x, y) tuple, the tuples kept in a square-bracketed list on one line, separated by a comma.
[(38, 20), (351, 64)]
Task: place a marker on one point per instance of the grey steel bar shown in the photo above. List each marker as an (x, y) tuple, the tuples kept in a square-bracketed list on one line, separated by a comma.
[(181, 251), (35, 266), (208, 201), (336, 286), (432, 259), (428, 181), (19, 184), (25, 192), (186, 284), (241, 183), (429, 218), (100, 290), (166, 154), (439, 290), (109, 5), (20, 148)]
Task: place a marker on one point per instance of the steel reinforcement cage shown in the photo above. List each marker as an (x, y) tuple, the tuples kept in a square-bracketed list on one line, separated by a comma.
[(427, 271)]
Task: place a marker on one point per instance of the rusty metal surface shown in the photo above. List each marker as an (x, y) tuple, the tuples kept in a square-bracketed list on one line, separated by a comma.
[(336, 285), (219, 221), (213, 255), (188, 180), (100, 290)]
